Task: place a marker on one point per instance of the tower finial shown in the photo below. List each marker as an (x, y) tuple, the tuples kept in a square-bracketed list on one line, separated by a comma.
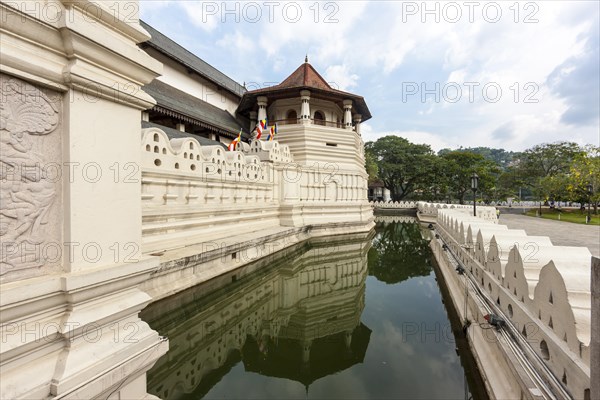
[(306, 59)]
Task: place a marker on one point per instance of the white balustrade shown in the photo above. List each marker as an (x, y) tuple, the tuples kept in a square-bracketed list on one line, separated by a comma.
[(543, 289)]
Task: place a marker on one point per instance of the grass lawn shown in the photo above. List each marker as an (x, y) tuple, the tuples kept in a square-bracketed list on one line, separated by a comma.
[(569, 215)]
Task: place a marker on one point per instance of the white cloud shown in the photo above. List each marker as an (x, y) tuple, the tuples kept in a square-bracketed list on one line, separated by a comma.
[(340, 77), (148, 7), (435, 141), (206, 15), (376, 46), (420, 137), (236, 40), (320, 29)]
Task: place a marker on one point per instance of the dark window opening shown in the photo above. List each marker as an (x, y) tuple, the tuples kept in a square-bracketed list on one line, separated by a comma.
[(319, 118)]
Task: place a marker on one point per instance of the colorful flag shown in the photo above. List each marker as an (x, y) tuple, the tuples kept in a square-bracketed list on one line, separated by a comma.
[(260, 127), (258, 131), (233, 145), (272, 133)]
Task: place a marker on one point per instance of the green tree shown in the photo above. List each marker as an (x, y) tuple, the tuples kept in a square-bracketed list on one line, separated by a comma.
[(507, 184), (545, 167), (554, 187), (500, 157), (371, 167), (459, 166), (403, 167), (438, 186), (549, 159), (584, 171)]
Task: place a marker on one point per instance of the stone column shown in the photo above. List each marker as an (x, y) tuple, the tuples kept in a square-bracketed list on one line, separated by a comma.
[(348, 338), (262, 107), (357, 120), (306, 346), (253, 120), (347, 114), (305, 107), (348, 343)]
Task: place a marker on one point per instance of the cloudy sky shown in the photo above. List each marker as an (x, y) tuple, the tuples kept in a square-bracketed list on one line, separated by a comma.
[(499, 74)]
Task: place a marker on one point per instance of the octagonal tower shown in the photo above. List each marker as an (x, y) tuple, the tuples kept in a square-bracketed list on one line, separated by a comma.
[(317, 122), (327, 183)]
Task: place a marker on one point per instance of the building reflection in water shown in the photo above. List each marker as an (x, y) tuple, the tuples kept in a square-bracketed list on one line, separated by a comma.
[(293, 315)]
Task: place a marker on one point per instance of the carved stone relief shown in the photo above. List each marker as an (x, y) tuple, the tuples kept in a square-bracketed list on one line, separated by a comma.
[(30, 180)]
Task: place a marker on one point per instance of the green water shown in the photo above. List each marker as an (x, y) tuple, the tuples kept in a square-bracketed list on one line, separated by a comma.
[(347, 317)]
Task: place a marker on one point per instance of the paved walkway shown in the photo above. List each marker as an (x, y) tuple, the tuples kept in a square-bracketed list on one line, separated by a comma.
[(560, 233)]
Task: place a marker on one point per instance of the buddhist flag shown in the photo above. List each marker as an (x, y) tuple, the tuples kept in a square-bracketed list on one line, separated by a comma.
[(272, 133), (258, 131), (232, 146), (260, 127)]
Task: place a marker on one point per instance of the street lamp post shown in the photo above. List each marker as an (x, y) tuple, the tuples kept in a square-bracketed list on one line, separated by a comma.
[(474, 184), (590, 188)]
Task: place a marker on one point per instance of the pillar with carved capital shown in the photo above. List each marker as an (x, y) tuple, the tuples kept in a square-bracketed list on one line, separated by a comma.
[(348, 114), (357, 119), (305, 107), (262, 107)]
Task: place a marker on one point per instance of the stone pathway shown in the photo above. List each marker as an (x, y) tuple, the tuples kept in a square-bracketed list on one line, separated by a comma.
[(560, 233)]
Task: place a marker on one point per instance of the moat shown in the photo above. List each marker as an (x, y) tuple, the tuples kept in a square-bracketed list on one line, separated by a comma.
[(339, 317)]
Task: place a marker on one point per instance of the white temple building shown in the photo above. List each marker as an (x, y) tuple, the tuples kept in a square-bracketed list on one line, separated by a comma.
[(102, 215)]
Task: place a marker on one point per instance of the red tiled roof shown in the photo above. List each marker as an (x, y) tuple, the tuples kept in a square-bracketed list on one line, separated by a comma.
[(304, 77)]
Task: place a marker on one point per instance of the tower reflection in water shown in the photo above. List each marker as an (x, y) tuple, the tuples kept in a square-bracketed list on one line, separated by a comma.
[(294, 315)]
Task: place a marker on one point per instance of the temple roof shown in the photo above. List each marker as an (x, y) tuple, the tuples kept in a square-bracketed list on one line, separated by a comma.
[(305, 77), (173, 102), (173, 50), (175, 134)]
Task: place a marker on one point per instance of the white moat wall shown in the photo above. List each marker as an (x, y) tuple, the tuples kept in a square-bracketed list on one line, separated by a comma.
[(543, 289), (206, 210)]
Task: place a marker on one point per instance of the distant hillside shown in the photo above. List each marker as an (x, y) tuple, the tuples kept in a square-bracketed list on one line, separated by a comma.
[(501, 157)]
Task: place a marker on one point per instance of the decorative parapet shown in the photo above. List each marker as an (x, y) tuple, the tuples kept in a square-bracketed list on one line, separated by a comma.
[(394, 205), (431, 209), (403, 219), (543, 289), (192, 193), (269, 151), (527, 203), (185, 156)]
